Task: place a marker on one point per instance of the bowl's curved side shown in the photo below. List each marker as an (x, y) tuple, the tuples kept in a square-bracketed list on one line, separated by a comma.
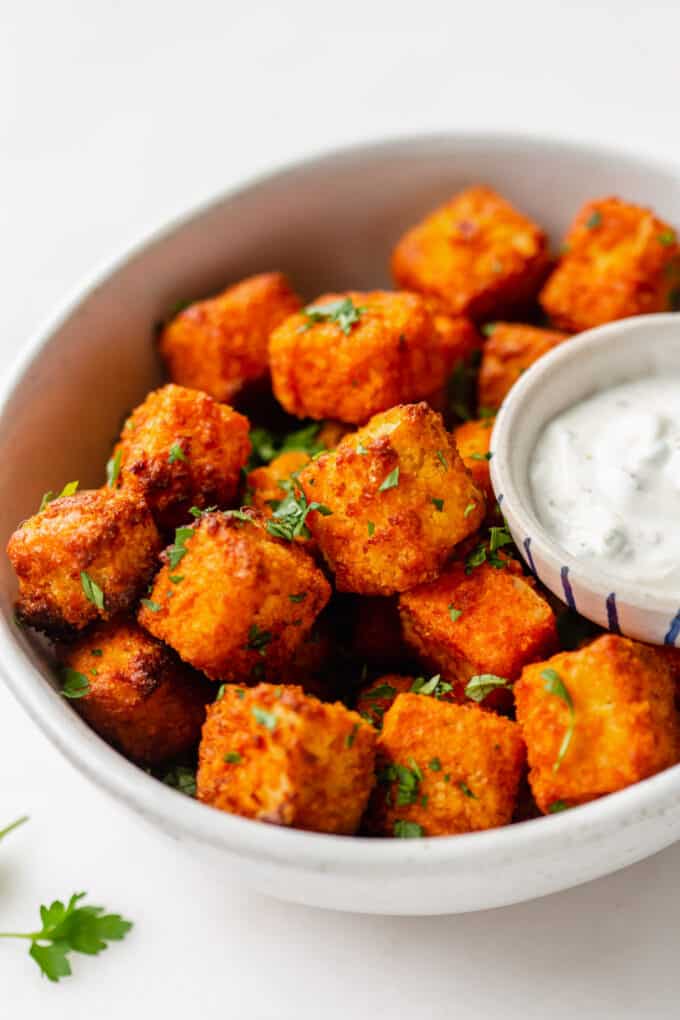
[(60, 408)]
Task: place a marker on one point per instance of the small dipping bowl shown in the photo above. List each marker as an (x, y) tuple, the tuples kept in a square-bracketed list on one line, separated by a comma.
[(598, 359)]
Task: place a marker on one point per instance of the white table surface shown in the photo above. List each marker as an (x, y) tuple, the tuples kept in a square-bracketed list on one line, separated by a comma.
[(115, 116)]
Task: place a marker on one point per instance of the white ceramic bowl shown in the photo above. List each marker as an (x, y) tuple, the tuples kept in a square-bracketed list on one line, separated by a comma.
[(330, 223), (613, 354)]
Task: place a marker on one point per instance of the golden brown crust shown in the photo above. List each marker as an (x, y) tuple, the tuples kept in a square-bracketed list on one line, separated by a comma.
[(465, 767), (179, 449), (503, 623), (377, 697), (277, 755), (473, 439), (394, 353), (510, 349), (476, 253), (220, 345), (619, 260), (625, 725), (398, 508), (141, 698), (244, 603), (108, 535)]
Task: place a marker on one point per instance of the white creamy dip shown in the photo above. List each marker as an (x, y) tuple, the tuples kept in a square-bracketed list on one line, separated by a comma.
[(605, 481)]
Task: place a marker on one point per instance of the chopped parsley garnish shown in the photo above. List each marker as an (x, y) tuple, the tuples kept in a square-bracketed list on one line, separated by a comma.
[(487, 551), (288, 519), (350, 738), (258, 639), (468, 509), (557, 806), (442, 460), (238, 515), (488, 328), (176, 453), (299, 597), (152, 606), (221, 691), (478, 687), (181, 778), (481, 456), (343, 313), (178, 550), (196, 511), (69, 490), (265, 718), (391, 482), (407, 830), (668, 237), (361, 449), (232, 758), (467, 791), (96, 651), (454, 613), (435, 765), (74, 684), (438, 504), (594, 220), (175, 578), (266, 446), (91, 590), (382, 691), (435, 686), (113, 468), (408, 779), (554, 684), (370, 527)]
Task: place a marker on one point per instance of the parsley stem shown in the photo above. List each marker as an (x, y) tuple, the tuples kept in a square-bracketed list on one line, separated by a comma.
[(13, 825), (32, 935)]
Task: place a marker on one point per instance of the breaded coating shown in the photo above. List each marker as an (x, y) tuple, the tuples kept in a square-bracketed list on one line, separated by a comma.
[(510, 349), (444, 769), (473, 439), (376, 634), (141, 698), (263, 484), (400, 499), (477, 254), (377, 697), (232, 600), (83, 558), (280, 756), (487, 620), (220, 345), (458, 333), (386, 350), (596, 720), (619, 259), (180, 448)]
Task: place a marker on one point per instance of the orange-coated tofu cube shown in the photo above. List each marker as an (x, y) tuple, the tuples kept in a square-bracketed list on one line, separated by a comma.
[(277, 755), (477, 254), (474, 621), (619, 259), (135, 692), (444, 769), (399, 499), (349, 356), (596, 720), (220, 345), (510, 349), (232, 600), (473, 440)]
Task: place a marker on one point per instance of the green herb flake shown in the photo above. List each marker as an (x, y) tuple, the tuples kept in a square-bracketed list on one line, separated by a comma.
[(370, 527), (442, 460), (258, 639), (488, 328), (557, 806), (594, 220), (113, 468), (438, 504), (555, 685), (232, 758), (344, 313), (238, 515), (96, 651), (69, 489), (667, 238), (435, 765), (454, 613), (299, 597), (351, 737), (181, 778), (176, 453), (178, 550), (176, 578), (468, 509), (91, 590), (288, 520), (361, 449), (153, 607), (265, 718), (391, 482), (74, 684), (478, 687), (481, 456), (407, 830), (382, 691), (467, 791), (435, 686)]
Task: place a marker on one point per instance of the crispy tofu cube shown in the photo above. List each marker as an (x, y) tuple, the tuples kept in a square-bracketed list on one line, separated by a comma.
[(140, 698), (399, 499), (487, 620), (444, 769), (477, 254), (179, 449), (232, 600), (377, 697), (473, 440), (280, 756), (510, 349), (596, 720), (220, 345), (619, 260), (349, 356), (84, 557)]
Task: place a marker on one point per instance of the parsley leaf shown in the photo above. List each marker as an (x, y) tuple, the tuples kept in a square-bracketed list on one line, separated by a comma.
[(554, 684), (667, 238), (176, 453), (468, 509), (299, 597), (454, 613), (407, 830), (265, 718), (69, 490), (74, 684), (350, 738), (557, 806), (113, 468), (438, 503), (181, 778), (370, 527), (488, 328), (467, 791), (178, 549), (442, 460), (594, 220), (91, 590), (480, 456), (258, 639), (435, 765), (478, 687), (342, 312), (70, 928), (288, 519), (407, 778), (382, 691), (391, 482), (196, 511), (149, 604), (232, 758), (435, 686)]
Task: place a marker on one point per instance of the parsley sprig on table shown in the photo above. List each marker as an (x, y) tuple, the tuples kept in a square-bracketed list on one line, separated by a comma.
[(73, 927)]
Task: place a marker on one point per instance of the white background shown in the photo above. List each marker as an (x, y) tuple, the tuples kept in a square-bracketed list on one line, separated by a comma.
[(115, 116)]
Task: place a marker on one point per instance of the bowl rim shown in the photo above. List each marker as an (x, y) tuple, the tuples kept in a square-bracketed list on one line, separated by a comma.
[(504, 477), (319, 852)]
